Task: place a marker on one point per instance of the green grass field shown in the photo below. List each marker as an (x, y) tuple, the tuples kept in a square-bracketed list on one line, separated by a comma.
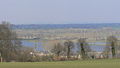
[(111, 63)]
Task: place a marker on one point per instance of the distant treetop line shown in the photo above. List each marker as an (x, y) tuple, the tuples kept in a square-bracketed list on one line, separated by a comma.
[(62, 26)]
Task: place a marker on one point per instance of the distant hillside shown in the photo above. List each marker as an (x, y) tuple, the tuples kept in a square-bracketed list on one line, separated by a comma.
[(62, 26)]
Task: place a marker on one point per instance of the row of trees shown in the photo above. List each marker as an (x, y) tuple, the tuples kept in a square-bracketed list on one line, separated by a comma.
[(67, 48), (112, 48)]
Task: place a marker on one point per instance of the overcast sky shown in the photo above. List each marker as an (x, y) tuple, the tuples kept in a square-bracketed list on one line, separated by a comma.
[(60, 11)]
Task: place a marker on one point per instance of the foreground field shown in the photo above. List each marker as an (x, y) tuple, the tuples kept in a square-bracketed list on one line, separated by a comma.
[(111, 63)]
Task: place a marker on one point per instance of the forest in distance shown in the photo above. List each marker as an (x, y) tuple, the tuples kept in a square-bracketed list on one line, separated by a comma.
[(63, 26)]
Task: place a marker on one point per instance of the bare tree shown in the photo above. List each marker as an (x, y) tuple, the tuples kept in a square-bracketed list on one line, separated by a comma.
[(26, 54), (9, 44), (106, 51), (84, 48), (57, 49), (111, 45), (69, 45)]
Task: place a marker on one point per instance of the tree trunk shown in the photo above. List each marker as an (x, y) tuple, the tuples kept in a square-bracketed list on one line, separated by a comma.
[(68, 53), (83, 51), (113, 50)]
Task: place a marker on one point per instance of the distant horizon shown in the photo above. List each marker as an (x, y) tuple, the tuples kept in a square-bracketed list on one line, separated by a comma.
[(60, 23)]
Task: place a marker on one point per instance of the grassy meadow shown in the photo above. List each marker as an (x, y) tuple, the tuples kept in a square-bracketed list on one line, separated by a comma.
[(111, 63)]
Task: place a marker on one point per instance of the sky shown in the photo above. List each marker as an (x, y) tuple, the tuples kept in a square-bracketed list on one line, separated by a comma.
[(59, 11)]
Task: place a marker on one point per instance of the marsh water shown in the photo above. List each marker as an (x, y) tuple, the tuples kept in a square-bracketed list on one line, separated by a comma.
[(40, 45)]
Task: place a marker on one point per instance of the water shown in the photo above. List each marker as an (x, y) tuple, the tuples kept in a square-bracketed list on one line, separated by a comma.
[(97, 46), (37, 45)]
